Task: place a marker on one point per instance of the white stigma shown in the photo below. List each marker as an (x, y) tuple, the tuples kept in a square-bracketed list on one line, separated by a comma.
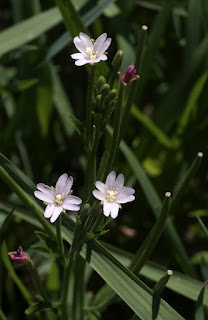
[(91, 54), (59, 199), (111, 195)]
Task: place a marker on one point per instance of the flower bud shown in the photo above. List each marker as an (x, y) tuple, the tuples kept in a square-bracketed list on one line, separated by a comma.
[(104, 90), (19, 256), (117, 60), (112, 95), (129, 75), (101, 81)]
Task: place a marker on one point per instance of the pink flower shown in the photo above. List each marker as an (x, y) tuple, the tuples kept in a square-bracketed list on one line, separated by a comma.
[(90, 51), (129, 75), (19, 256), (112, 193), (58, 199)]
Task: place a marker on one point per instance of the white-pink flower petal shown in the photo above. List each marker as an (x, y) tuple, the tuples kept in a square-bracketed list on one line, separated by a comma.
[(99, 42), (124, 199), (79, 45), (77, 56), (73, 200), (56, 213), (103, 57), (81, 62), (104, 46), (86, 40), (119, 182), (110, 180), (114, 210), (49, 210), (106, 208), (99, 195), (101, 186), (44, 197)]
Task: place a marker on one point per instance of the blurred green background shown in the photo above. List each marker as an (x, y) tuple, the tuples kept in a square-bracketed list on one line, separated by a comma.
[(40, 86)]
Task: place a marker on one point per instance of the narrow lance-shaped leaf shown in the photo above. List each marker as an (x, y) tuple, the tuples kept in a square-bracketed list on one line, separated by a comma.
[(160, 285), (28, 30), (150, 242), (181, 188), (199, 312)]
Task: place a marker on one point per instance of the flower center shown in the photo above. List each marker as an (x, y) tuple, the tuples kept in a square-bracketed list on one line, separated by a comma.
[(59, 199), (111, 195), (91, 54)]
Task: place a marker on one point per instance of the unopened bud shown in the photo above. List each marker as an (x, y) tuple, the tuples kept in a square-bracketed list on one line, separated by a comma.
[(117, 60), (101, 81), (112, 95), (97, 102), (104, 90)]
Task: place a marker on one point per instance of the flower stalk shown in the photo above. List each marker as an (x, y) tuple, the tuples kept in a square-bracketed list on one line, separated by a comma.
[(59, 236), (117, 129), (37, 282), (90, 91), (132, 89)]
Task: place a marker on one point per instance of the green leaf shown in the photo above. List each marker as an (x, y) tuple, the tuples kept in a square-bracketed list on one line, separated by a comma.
[(180, 283), (28, 30), (2, 315), (199, 312), (61, 102), (133, 291), (79, 126), (5, 258), (182, 186), (153, 128), (202, 226), (23, 85), (191, 103), (49, 242), (71, 17), (44, 99), (36, 307), (150, 242), (160, 285)]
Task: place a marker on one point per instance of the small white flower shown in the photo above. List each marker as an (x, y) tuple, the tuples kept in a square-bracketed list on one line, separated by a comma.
[(112, 193), (58, 199), (90, 51)]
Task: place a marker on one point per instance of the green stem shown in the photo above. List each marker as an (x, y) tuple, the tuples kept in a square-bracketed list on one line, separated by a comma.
[(90, 90), (132, 89), (66, 282), (117, 129), (59, 237), (37, 282)]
